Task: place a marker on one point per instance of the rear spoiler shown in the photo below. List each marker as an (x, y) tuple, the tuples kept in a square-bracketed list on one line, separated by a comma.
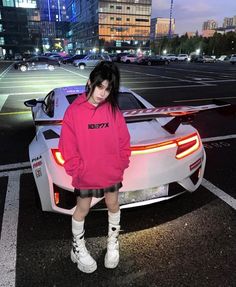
[(179, 114)]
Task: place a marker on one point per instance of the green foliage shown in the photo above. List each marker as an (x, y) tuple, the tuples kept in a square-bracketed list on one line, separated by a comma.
[(217, 45)]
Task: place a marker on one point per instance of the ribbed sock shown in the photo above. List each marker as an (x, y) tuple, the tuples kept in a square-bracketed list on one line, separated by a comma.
[(114, 218), (77, 227)]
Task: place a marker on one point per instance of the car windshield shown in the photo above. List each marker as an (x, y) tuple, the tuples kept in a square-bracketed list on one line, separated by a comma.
[(126, 101)]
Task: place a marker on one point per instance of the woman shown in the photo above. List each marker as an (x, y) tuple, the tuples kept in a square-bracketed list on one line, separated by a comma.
[(95, 145)]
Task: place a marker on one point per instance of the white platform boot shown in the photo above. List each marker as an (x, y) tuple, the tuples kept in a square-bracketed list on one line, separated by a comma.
[(112, 256), (81, 256), (79, 253)]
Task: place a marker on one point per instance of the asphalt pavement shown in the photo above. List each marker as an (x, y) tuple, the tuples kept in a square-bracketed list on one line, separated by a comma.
[(187, 241)]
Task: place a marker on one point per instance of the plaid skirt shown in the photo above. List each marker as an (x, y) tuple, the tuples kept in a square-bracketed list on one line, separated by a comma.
[(97, 192)]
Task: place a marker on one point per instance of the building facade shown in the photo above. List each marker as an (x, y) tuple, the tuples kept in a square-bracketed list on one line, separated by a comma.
[(209, 25), (160, 27), (19, 31), (109, 24)]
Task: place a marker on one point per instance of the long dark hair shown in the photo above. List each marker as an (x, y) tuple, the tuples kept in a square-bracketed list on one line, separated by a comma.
[(105, 70)]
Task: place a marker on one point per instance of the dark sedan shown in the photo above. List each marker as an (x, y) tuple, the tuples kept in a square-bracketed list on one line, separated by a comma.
[(153, 60), (70, 60), (37, 63)]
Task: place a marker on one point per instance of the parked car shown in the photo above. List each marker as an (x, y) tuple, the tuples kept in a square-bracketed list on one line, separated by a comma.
[(91, 60), (232, 59), (18, 56), (129, 58), (71, 59), (153, 60), (166, 158), (37, 63), (223, 58), (170, 57), (57, 58), (204, 59), (119, 55), (113, 57), (182, 57)]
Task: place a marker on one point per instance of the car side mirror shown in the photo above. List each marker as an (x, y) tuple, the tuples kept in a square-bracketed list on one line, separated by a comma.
[(32, 103)]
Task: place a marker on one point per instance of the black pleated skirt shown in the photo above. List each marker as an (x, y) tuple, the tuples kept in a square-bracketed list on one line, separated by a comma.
[(83, 193)]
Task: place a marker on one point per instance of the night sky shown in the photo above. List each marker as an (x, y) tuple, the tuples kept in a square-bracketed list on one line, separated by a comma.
[(189, 15)]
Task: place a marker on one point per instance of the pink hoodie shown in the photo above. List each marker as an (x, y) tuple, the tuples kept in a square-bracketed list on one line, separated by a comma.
[(95, 144)]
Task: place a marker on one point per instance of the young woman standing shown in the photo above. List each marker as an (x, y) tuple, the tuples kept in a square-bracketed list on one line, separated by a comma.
[(95, 145)]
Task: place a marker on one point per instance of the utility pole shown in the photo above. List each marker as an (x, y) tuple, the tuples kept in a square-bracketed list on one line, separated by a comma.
[(170, 24)]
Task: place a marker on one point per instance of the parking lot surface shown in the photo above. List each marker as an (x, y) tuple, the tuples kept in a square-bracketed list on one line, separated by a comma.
[(187, 241)]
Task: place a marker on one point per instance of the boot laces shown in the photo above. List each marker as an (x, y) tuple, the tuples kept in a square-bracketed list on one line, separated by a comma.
[(79, 246)]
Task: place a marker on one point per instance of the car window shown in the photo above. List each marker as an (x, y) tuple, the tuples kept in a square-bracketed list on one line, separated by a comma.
[(127, 101), (71, 98), (48, 106), (35, 59)]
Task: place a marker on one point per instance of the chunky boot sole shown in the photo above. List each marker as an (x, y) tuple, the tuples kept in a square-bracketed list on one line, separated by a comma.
[(81, 266), (111, 265)]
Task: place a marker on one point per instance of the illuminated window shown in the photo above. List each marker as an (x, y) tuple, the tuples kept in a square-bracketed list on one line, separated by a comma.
[(1, 29), (8, 3), (2, 42)]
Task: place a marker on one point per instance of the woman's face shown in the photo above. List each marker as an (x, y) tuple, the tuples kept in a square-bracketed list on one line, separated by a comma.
[(100, 93)]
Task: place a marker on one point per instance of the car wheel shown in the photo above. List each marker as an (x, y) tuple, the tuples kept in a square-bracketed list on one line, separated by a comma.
[(149, 63), (82, 67), (127, 62), (51, 67), (23, 68)]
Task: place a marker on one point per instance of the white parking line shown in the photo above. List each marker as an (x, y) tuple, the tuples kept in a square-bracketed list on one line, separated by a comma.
[(202, 85), (75, 73), (219, 193), (5, 71), (20, 165), (3, 99), (8, 242), (9, 229)]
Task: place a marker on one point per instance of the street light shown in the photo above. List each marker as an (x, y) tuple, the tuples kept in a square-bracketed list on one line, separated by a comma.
[(198, 51)]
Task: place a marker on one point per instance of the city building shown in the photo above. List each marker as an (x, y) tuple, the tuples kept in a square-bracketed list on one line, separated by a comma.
[(229, 22), (19, 31), (53, 10), (160, 27), (209, 28), (111, 25), (209, 25)]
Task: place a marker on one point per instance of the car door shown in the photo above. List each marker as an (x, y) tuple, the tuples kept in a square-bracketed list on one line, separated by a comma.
[(90, 61), (42, 63), (32, 63)]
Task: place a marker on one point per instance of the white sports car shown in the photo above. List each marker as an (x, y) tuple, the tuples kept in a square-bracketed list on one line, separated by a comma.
[(167, 156)]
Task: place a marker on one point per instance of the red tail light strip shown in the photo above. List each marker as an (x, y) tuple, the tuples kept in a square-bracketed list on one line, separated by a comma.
[(185, 146)]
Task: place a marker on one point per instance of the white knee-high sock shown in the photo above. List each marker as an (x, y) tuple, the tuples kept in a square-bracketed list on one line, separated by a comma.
[(114, 218), (77, 227)]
